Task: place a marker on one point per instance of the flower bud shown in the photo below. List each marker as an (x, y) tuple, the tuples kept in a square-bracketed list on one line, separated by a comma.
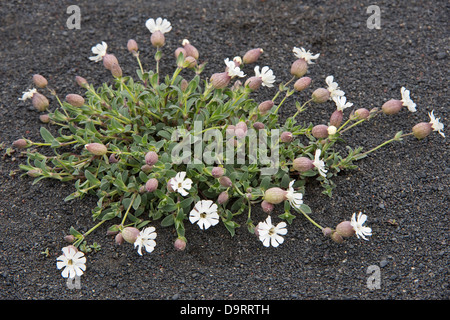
[(275, 195), (225, 181), (237, 61), (146, 168), (112, 158), (345, 229), (34, 173), (217, 172), (422, 129), (82, 82), (130, 234), (132, 46), (169, 185), (220, 80), (75, 100), (108, 60), (302, 83), (190, 49), (320, 95), (241, 125), (40, 102), (362, 113), (230, 130), (157, 39), (97, 149), (336, 118), (223, 197), (151, 185), (39, 81), (253, 83), (332, 130), (240, 133), (45, 118), (184, 84), (392, 106), (151, 158), (336, 237), (252, 55), (267, 206), (20, 143), (69, 238), (112, 231), (299, 68), (258, 125), (189, 62), (302, 164), (265, 106), (116, 70), (179, 244), (327, 231), (286, 137), (119, 239), (180, 50), (320, 131)]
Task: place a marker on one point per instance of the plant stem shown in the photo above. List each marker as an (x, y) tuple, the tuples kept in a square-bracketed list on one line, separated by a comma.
[(309, 218), (129, 207)]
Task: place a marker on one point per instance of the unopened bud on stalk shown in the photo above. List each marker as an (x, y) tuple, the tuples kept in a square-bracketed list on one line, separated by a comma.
[(327, 231), (392, 106), (97, 149), (265, 106), (179, 244), (345, 229), (336, 118), (157, 39), (422, 130), (75, 100), (184, 84), (258, 125), (21, 143), (69, 238), (253, 83), (225, 181), (82, 82), (130, 234), (40, 102), (362, 113), (190, 49), (275, 195), (151, 158), (108, 60), (34, 173), (252, 55), (267, 206), (302, 83), (189, 62), (220, 80), (132, 46), (223, 197), (146, 168), (302, 164), (336, 237), (119, 238), (299, 68), (116, 70), (217, 172), (320, 131), (286, 137), (151, 185), (45, 118), (39, 81), (180, 50), (320, 95), (237, 61)]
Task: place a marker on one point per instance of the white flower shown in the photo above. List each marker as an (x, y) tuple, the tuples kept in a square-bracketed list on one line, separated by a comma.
[(100, 51), (341, 102), (73, 262), (233, 70), (301, 53), (407, 100), (158, 25), (270, 234), (435, 124), (205, 214), (180, 184), (28, 94), (295, 198), (333, 87), (357, 224), (146, 239), (266, 76), (332, 130), (319, 164)]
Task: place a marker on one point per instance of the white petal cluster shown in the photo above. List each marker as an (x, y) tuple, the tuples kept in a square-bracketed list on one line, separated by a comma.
[(28, 94), (406, 100), (266, 76), (301, 53), (341, 102), (233, 70), (269, 234), (294, 198), (357, 224), (73, 262), (435, 124), (146, 239), (333, 88), (204, 214), (180, 183), (100, 51), (158, 25), (319, 164)]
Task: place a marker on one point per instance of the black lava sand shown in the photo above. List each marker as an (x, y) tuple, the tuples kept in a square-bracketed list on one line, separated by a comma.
[(403, 187)]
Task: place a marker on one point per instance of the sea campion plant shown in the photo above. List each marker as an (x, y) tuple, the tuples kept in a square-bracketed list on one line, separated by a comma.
[(183, 148)]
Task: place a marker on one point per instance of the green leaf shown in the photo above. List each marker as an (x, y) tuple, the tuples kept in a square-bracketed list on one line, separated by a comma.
[(46, 135), (168, 221)]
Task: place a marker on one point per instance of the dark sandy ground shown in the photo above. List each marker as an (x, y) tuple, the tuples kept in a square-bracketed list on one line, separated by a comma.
[(406, 182)]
